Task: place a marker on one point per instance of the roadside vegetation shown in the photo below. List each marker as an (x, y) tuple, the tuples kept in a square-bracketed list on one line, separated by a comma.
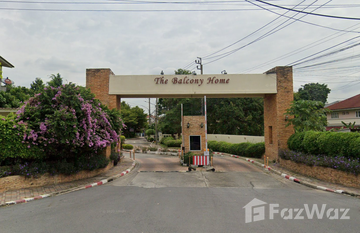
[(253, 150), (62, 129), (336, 150), (171, 142)]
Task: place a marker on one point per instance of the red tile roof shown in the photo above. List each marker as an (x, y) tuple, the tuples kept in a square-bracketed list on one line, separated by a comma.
[(352, 102)]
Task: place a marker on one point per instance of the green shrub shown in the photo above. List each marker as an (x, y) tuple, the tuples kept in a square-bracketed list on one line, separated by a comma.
[(152, 149), (326, 143), (5, 171), (214, 145), (290, 141), (310, 144), (225, 147), (350, 165), (122, 138), (188, 157), (173, 143), (115, 156), (255, 150), (66, 168), (165, 139), (354, 150), (12, 146), (128, 146), (240, 148), (150, 132), (296, 141)]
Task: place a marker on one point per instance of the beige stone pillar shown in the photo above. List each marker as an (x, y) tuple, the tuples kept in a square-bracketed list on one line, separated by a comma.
[(98, 82), (275, 105)]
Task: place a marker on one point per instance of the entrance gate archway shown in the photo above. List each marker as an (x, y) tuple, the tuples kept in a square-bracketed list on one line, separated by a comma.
[(275, 86)]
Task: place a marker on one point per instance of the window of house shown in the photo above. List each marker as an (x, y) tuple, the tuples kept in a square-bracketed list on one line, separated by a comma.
[(358, 114), (345, 113), (195, 142), (334, 115)]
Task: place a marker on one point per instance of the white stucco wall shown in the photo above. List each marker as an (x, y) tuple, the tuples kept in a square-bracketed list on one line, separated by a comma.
[(235, 138)]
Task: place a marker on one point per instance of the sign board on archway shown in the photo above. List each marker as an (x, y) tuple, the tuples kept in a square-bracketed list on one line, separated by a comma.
[(275, 86), (183, 86)]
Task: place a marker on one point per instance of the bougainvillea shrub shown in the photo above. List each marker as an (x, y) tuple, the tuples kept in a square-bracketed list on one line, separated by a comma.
[(68, 122)]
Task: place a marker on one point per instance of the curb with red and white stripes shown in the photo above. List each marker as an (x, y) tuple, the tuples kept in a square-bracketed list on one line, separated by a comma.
[(104, 181), (289, 177)]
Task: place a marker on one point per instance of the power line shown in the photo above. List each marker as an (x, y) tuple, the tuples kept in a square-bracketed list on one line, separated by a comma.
[(261, 37), (302, 49), (332, 61), (259, 29), (303, 21), (136, 2), (308, 13), (301, 61)]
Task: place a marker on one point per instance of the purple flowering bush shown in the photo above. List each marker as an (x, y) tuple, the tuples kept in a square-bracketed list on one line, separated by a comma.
[(350, 165), (68, 122), (62, 130)]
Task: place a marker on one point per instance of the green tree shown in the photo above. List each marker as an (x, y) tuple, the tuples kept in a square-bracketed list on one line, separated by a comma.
[(56, 80), (182, 71), (134, 119), (37, 86), (307, 115), (13, 96), (236, 116), (21, 94), (313, 91), (8, 101)]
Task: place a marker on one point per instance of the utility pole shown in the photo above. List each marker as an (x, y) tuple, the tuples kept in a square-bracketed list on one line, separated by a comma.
[(149, 113), (200, 65)]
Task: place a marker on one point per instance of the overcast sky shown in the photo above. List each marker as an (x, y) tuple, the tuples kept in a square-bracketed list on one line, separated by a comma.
[(43, 37)]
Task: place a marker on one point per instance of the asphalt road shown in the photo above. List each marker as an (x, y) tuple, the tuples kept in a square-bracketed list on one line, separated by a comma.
[(150, 199)]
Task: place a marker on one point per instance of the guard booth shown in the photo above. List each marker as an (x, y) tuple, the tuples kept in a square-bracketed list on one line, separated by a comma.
[(193, 124)]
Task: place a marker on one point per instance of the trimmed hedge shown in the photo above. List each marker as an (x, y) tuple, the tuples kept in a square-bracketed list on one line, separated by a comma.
[(171, 142), (128, 146), (254, 150), (326, 143)]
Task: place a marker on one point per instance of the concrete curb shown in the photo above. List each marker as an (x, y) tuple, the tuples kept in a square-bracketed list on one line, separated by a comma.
[(104, 181), (289, 177)]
